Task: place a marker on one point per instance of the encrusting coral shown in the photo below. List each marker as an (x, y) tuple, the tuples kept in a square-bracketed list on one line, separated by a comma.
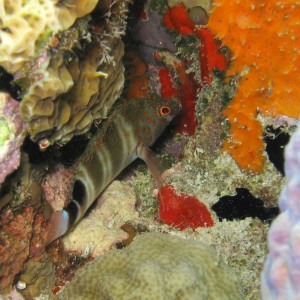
[(264, 40), (280, 278), (156, 266)]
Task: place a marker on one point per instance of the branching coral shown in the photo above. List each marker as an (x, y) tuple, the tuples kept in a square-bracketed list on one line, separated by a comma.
[(264, 40)]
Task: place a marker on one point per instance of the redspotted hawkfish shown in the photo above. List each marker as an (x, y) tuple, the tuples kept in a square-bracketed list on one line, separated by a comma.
[(124, 136)]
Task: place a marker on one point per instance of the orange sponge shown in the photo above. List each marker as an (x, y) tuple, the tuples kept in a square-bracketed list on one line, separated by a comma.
[(264, 39)]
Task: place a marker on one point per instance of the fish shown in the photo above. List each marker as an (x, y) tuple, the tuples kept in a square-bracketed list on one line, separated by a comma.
[(123, 137)]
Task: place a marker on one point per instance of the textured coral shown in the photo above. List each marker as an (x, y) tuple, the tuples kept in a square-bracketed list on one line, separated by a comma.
[(15, 233), (280, 278), (101, 229), (12, 134), (57, 100), (159, 266), (264, 40), (69, 76), (26, 25)]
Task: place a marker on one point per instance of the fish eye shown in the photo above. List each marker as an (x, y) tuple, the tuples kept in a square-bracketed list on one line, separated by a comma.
[(198, 15), (164, 111)]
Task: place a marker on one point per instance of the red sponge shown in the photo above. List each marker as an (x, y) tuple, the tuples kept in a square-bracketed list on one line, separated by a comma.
[(182, 211)]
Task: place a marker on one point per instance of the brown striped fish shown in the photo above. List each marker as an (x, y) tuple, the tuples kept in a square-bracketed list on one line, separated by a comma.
[(124, 136)]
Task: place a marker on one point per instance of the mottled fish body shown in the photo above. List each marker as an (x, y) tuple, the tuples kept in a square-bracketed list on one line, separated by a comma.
[(123, 137)]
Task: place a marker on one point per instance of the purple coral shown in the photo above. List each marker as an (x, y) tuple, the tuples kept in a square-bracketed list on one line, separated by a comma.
[(12, 134), (281, 274)]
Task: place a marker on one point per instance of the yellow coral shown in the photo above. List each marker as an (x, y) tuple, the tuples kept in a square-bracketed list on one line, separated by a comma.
[(26, 24), (264, 39)]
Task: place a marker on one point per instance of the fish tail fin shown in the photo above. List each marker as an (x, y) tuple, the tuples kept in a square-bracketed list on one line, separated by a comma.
[(59, 225)]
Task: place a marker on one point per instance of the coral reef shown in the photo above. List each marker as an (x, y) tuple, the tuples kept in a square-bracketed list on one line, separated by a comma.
[(53, 49), (56, 107), (243, 246), (280, 278), (15, 234), (261, 36), (208, 173), (159, 266), (12, 134), (199, 58), (98, 232), (26, 26), (241, 243), (66, 69)]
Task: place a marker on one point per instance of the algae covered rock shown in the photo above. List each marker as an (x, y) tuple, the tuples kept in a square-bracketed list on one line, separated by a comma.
[(156, 266), (12, 134), (101, 229)]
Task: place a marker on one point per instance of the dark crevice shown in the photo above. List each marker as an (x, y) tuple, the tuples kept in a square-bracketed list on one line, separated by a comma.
[(243, 205), (276, 139)]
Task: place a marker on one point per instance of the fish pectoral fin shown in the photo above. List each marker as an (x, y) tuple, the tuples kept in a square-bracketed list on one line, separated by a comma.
[(59, 225), (153, 163)]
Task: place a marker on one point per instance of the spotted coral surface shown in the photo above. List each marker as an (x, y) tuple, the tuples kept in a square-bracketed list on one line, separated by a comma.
[(26, 25), (156, 266), (264, 40)]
